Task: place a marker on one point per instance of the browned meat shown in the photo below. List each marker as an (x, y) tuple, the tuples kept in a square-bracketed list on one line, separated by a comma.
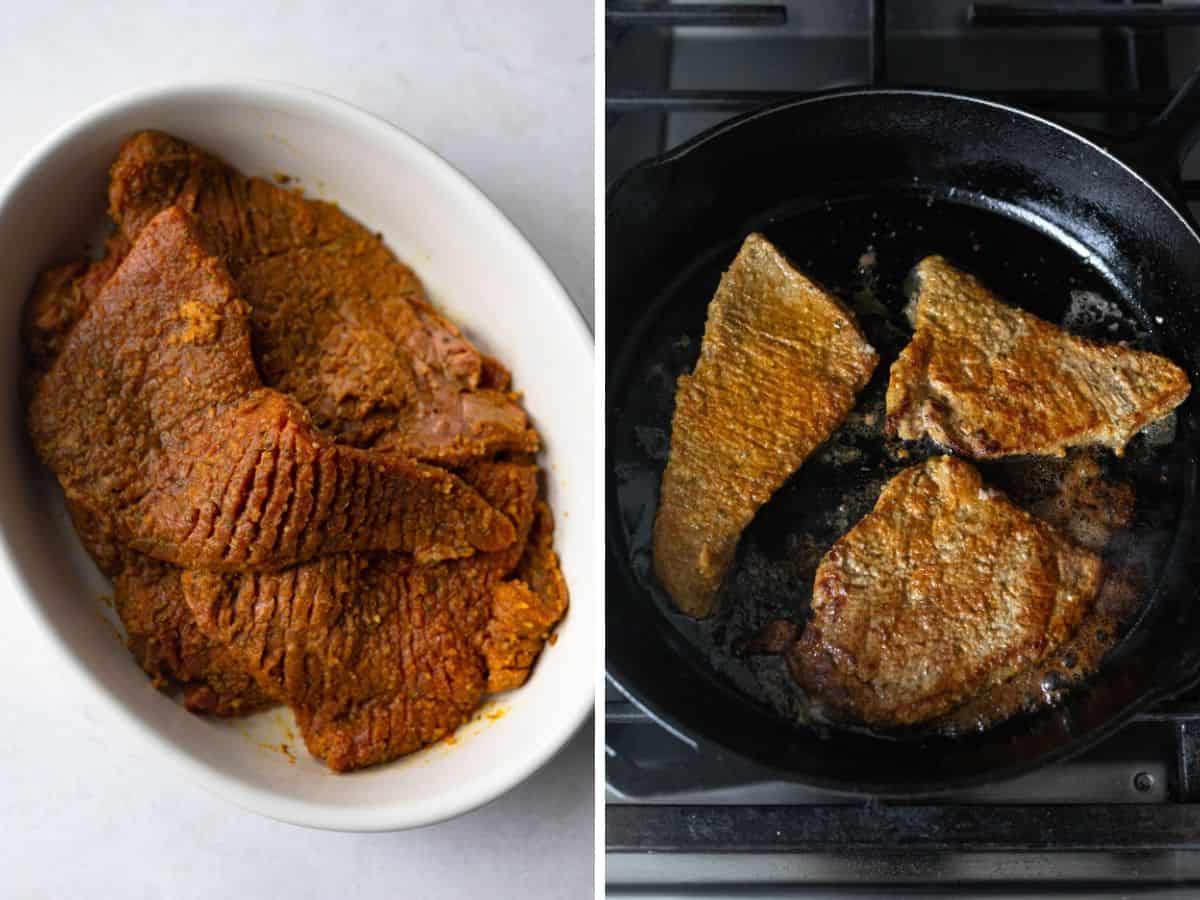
[(338, 322), (779, 368), (163, 638), (377, 656), (943, 589), (986, 380), (154, 412), (525, 610)]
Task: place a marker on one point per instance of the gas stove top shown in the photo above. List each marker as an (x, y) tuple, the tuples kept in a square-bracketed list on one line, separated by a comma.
[(1127, 811), (688, 820)]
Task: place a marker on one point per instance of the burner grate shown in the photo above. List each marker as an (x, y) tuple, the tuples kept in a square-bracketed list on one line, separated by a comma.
[(1058, 15), (1134, 38), (852, 828), (1128, 808), (1156, 760), (683, 14), (1059, 101)]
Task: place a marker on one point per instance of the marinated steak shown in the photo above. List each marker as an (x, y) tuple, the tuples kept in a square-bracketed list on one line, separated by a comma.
[(146, 400), (154, 411), (779, 368), (525, 609), (338, 323), (986, 379), (943, 589), (159, 629), (164, 639), (59, 299), (377, 656)]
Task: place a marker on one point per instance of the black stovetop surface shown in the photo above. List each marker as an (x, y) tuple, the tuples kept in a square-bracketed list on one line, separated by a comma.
[(682, 820)]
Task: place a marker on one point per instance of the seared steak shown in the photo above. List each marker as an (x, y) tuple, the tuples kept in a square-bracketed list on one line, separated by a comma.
[(986, 380), (943, 589), (779, 368)]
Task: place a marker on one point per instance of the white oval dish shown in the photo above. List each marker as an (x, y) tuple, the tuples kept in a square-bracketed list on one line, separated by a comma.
[(479, 269)]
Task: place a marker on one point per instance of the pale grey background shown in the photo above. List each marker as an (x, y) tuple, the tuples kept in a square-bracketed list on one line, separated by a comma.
[(504, 91)]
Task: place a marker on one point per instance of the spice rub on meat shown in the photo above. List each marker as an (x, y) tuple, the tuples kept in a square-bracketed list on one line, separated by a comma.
[(779, 368), (164, 638), (142, 370), (58, 301), (147, 594), (145, 383), (338, 323), (154, 411), (525, 609), (377, 656), (159, 629), (942, 590), (985, 379)]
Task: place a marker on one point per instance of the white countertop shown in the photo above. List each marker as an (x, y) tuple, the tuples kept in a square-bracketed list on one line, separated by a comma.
[(505, 93)]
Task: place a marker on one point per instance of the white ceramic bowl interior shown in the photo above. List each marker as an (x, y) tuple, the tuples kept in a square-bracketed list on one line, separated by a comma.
[(479, 270)]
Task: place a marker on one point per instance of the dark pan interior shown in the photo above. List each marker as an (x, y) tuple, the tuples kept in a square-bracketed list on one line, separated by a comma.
[(856, 189)]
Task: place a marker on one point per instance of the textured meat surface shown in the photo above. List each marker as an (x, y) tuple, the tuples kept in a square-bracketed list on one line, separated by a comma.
[(943, 589), (377, 656), (59, 299), (779, 368), (338, 322), (198, 463), (165, 640), (147, 595), (97, 531), (525, 609), (986, 379), (160, 630), (154, 412)]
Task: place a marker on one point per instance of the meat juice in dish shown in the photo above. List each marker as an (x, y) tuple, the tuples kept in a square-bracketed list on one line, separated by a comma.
[(249, 393), (1047, 604)]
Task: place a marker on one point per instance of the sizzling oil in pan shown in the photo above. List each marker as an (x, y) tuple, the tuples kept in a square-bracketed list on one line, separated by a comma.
[(863, 249)]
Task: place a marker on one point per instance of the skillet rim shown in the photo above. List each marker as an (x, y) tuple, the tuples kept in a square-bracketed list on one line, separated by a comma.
[(617, 673), (721, 128)]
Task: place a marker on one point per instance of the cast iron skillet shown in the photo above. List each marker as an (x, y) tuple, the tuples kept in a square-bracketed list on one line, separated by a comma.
[(1031, 206)]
